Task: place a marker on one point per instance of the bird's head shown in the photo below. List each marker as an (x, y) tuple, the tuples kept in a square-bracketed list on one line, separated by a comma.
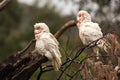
[(39, 29), (83, 16)]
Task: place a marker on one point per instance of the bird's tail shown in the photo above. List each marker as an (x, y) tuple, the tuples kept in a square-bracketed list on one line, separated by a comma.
[(56, 62), (109, 43), (104, 45)]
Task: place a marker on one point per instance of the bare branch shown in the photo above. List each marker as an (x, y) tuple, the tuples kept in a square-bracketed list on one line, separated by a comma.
[(67, 25), (3, 3), (20, 64)]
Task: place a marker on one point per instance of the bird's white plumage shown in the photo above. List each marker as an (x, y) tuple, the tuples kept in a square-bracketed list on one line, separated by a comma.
[(47, 45), (88, 31)]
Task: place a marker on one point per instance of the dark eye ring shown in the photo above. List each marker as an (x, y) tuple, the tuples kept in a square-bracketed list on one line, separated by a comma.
[(38, 28), (79, 15)]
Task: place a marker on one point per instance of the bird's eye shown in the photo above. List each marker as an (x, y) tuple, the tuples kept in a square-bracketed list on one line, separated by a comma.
[(79, 15), (37, 28)]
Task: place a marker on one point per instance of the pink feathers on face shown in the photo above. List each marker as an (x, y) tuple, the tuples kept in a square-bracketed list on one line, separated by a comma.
[(83, 16)]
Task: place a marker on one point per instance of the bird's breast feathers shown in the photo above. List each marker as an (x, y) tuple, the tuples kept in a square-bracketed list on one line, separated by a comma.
[(89, 32), (40, 47), (46, 39)]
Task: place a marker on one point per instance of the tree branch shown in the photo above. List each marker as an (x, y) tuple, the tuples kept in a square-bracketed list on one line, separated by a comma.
[(19, 65), (67, 25), (3, 4)]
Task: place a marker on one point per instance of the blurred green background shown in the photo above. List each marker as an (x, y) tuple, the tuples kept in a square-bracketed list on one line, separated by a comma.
[(17, 20)]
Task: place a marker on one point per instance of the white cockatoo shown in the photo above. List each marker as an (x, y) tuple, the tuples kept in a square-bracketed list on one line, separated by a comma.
[(89, 31), (47, 45)]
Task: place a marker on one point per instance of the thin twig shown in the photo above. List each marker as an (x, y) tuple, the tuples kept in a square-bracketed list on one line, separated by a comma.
[(78, 54), (40, 73), (80, 51)]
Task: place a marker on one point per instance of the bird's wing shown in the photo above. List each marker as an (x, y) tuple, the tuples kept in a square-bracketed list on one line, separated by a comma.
[(89, 33), (54, 39), (51, 46), (51, 42), (93, 34), (97, 27), (93, 25)]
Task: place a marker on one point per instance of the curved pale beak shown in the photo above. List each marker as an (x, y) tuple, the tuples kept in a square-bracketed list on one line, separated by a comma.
[(78, 21), (36, 32)]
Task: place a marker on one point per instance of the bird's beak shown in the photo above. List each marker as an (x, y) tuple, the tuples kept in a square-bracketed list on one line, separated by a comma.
[(78, 23), (37, 32)]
